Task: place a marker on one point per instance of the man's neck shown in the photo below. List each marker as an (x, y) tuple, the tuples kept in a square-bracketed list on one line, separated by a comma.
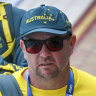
[(60, 81)]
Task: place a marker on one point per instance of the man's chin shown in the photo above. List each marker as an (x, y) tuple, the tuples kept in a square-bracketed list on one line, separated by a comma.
[(47, 73)]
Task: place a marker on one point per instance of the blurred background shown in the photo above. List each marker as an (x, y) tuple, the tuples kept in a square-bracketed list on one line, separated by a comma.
[(82, 15)]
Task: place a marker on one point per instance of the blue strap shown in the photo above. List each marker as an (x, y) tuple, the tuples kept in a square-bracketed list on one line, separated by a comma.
[(29, 93), (70, 87)]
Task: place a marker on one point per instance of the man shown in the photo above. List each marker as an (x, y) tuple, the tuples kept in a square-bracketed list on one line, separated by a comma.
[(48, 42)]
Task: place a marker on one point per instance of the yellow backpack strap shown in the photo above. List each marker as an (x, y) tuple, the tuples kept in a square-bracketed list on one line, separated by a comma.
[(6, 29), (5, 54)]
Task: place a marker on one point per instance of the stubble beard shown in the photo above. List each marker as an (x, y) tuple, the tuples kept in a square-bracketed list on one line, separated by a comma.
[(45, 76)]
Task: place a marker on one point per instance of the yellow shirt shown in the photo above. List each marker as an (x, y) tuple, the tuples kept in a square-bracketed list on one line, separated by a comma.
[(23, 86), (85, 85)]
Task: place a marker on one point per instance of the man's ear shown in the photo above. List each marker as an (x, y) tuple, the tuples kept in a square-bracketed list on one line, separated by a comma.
[(22, 45), (72, 43)]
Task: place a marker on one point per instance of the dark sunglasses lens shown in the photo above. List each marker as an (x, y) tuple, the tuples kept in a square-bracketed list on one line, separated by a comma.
[(55, 44), (33, 46)]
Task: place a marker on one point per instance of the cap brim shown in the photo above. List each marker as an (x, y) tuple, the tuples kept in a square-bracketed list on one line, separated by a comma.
[(44, 30)]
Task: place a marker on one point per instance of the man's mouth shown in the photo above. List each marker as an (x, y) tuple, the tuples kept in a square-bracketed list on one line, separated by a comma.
[(46, 64)]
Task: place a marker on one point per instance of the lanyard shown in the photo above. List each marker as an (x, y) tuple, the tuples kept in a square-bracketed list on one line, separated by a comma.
[(70, 86), (29, 93)]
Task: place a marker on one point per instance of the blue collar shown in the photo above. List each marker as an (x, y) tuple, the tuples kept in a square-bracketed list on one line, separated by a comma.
[(70, 86)]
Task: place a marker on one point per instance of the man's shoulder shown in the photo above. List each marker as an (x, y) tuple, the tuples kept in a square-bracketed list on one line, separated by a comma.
[(85, 84), (83, 75), (84, 79)]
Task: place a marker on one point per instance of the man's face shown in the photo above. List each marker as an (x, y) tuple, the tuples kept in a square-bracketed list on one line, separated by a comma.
[(47, 64)]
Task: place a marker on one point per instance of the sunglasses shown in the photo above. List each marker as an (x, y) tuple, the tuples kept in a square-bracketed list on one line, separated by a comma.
[(53, 44)]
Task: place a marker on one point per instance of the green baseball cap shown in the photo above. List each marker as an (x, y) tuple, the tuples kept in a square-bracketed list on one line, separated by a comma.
[(45, 19)]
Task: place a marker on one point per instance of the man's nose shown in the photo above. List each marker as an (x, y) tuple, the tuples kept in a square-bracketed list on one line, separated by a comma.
[(44, 51)]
